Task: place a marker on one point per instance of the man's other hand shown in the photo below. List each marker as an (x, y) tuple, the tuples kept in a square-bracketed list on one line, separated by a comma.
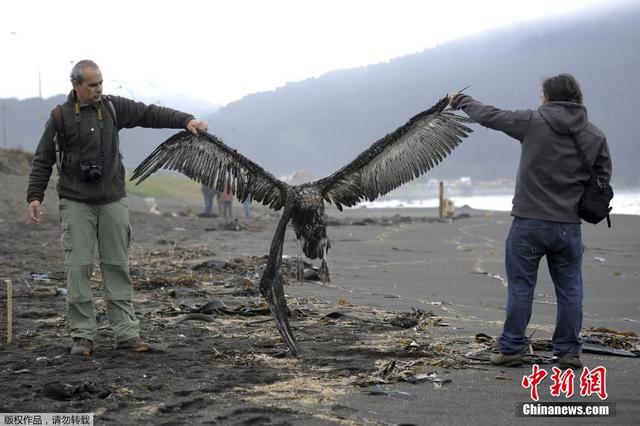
[(194, 125), (35, 211)]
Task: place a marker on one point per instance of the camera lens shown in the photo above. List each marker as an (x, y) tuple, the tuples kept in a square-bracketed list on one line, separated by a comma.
[(94, 175)]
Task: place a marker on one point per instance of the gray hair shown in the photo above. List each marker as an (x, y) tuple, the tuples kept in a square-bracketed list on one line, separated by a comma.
[(78, 69)]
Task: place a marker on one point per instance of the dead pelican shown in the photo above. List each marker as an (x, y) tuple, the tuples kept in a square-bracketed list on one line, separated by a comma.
[(409, 151)]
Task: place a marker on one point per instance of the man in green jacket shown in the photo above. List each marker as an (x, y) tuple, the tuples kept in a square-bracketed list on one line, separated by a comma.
[(93, 203)]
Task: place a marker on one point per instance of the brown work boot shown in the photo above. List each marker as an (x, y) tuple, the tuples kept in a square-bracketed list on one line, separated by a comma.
[(512, 360), (82, 346), (135, 344), (569, 362)]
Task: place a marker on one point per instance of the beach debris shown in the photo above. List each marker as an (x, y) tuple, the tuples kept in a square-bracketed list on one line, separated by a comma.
[(601, 341), (485, 338), (233, 225), (181, 292), (343, 303), (152, 205), (182, 405), (44, 358), (250, 309), (605, 341), (213, 306), (483, 355), (600, 259), (417, 318), (332, 317), (66, 392), (196, 317), (604, 350), (9, 285), (39, 277), (428, 377), (404, 321), (212, 265), (379, 390), (393, 371), (44, 291)]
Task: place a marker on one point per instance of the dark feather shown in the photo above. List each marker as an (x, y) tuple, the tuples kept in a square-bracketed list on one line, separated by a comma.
[(205, 159), (408, 152)]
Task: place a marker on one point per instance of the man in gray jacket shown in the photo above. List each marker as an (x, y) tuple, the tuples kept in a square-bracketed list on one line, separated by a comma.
[(93, 203), (548, 188)]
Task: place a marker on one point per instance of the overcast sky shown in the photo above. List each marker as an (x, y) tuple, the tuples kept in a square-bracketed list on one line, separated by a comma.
[(220, 51)]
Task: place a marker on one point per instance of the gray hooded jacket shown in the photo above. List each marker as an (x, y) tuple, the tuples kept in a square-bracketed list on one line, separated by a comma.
[(551, 175)]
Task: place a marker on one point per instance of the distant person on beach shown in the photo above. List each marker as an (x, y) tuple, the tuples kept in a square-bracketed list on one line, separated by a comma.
[(219, 201), (246, 205), (93, 203), (208, 192), (548, 188), (226, 199)]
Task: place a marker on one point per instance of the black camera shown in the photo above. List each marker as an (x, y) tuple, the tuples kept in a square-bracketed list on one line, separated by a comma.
[(91, 170)]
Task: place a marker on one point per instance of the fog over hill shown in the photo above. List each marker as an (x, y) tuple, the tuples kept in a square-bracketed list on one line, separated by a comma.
[(322, 123)]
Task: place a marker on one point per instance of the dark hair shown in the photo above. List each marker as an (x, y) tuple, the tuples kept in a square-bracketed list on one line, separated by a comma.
[(563, 87), (78, 69)]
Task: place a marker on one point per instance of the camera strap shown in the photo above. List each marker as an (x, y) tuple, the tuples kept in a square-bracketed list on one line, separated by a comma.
[(58, 137)]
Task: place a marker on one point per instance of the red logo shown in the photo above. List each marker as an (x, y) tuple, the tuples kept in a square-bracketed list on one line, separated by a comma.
[(592, 381), (562, 382), (534, 380)]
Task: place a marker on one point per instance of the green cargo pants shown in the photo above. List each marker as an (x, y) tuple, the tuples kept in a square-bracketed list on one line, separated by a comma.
[(107, 224)]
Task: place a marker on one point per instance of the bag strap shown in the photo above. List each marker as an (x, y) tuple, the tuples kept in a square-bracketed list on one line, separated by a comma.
[(583, 157), (112, 110), (58, 137)]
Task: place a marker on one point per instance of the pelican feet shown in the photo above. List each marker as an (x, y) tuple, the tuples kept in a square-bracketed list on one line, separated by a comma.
[(324, 271)]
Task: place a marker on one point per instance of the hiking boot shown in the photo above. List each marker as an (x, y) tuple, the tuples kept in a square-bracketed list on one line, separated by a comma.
[(134, 344), (82, 346), (569, 362), (513, 360)]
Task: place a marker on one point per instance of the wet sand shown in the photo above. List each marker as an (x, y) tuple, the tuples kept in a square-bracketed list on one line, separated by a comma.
[(383, 263)]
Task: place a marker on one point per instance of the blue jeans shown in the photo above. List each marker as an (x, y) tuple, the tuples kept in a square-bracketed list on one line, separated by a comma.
[(528, 241)]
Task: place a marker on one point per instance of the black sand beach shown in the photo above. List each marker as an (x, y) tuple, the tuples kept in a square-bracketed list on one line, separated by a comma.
[(389, 268)]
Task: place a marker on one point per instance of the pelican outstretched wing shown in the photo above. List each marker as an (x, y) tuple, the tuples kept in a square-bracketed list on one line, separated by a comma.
[(408, 152), (205, 159)]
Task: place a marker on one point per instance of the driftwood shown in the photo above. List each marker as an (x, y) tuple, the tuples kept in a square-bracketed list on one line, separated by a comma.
[(9, 310)]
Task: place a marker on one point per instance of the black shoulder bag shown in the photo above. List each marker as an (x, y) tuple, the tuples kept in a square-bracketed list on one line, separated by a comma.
[(594, 204)]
